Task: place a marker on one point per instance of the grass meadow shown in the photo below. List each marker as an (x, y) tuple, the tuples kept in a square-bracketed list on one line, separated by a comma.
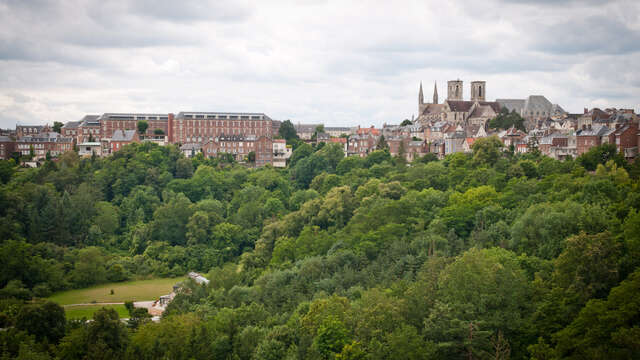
[(139, 290)]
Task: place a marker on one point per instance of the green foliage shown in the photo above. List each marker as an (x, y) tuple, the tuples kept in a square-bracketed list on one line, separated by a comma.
[(143, 125), (483, 255), (600, 155), (287, 131), (506, 120)]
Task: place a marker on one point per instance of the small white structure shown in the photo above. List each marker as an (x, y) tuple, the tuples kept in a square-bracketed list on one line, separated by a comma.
[(281, 152), (87, 149), (199, 278)]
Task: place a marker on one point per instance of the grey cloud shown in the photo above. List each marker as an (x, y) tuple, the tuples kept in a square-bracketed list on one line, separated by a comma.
[(594, 34), (192, 10)]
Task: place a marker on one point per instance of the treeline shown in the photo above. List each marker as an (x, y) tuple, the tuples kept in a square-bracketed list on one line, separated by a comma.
[(482, 255)]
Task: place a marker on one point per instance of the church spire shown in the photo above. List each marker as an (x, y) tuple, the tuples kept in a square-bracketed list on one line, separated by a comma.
[(420, 95), (435, 93)]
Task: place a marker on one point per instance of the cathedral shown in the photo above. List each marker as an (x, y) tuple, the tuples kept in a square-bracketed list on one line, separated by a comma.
[(474, 113)]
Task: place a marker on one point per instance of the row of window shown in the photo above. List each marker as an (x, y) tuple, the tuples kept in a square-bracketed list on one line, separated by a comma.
[(245, 124), (231, 117)]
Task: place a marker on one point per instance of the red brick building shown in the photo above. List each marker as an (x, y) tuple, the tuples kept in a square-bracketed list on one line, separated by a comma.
[(121, 138), (239, 146), (41, 144), (589, 137), (7, 146), (626, 139), (203, 127)]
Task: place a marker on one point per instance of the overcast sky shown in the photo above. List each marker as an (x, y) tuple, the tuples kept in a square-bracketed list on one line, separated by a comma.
[(336, 62)]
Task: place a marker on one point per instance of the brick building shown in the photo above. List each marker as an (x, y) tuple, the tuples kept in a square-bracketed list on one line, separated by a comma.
[(7, 146), (202, 127), (589, 137), (43, 143)]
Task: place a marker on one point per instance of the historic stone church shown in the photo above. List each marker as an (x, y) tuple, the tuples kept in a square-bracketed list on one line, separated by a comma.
[(454, 109)]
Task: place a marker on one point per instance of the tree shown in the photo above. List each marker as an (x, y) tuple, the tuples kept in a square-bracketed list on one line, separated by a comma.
[(251, 157), (605, 329), (382, 144), (45, 321), (106, 335), (143, 125), (486, 151), (287, 131), (600, 155), (184, 168), (332, 337), (481, 293), (57, 126), (158, 132), (406, 122), (506, 120)]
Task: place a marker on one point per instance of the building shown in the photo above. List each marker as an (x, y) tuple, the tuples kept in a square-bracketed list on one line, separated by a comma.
[(454, 141), (7, 146), (455, 109), (361, 144), (158, 124), (589, 136), (281, 152), (239, 147), (535, 108), (89, 149), (204, 127), (337, 131), (30, 130), (121, 138), (306, 131), (42, 144), (625, 138)]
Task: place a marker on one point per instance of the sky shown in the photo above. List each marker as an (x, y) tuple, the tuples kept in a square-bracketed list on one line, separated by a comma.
[(341, 63)]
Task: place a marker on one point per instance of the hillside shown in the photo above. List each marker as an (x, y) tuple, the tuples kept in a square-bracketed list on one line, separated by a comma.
[(484, 255)]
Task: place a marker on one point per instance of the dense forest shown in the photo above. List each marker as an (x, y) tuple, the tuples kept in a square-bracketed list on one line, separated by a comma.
[(489, 255)]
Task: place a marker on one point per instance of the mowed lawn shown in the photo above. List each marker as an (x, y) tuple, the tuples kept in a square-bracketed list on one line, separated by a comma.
[(140, 290), (86, 311)]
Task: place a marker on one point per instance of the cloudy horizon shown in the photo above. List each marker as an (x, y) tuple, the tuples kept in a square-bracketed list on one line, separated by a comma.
[(335, 62)]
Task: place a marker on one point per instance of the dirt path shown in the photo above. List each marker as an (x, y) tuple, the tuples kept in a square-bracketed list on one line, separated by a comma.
[(138, 304)]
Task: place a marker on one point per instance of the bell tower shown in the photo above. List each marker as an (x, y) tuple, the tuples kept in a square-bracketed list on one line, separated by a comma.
[(478, 90), (454, 88)]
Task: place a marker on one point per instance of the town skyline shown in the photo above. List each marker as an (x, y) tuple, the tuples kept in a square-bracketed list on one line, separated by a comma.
[(318, 62)]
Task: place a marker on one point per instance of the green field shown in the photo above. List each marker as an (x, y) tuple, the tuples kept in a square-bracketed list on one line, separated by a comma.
[(86, 311), (140, 290)]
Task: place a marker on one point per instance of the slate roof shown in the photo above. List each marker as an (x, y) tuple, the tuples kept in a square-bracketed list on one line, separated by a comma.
[(460, 105), (123, 135), (511, 104), (72, 124), (598, 130)]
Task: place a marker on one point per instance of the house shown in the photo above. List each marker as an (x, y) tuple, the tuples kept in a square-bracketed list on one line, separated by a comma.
[(337, 131), (342, 141), (625, 138), (42, 144), (88, 149), (361, 145), (7, 146), (120, 138), (454, 141), (589, 136), (190, 150), (281, 152)]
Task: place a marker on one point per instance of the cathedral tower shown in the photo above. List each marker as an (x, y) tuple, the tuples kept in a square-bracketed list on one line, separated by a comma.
[(478, 90), (454, 90), (421, 105), (435, 93)]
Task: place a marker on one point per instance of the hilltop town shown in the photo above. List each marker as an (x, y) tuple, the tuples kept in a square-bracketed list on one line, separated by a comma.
[(523, 125)]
